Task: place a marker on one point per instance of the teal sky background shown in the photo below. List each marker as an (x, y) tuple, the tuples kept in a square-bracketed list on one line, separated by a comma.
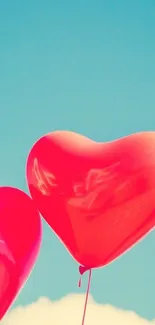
[(89, 67)]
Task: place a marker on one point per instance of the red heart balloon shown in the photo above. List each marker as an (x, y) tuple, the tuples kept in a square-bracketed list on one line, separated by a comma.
[(99, 198), (20, 238)]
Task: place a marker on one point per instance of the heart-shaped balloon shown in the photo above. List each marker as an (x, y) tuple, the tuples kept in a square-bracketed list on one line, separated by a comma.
[(20, 238), (99, 198)]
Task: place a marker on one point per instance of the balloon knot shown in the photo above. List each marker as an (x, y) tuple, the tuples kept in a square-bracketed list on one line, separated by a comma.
[(83, 269)]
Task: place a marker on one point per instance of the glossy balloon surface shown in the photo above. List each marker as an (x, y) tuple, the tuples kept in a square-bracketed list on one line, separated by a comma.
[(99, 198), (20, 238)]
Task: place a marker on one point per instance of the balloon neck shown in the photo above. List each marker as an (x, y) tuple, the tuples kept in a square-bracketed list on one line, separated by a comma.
[(83, 269)]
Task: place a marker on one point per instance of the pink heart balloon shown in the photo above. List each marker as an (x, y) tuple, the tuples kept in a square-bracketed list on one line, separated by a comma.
[(20, 239), (99, 198)]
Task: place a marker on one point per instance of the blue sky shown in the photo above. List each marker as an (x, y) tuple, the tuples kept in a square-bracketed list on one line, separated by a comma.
[(86, 66)]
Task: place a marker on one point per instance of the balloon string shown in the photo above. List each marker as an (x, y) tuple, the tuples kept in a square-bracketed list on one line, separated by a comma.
[(87, 294)]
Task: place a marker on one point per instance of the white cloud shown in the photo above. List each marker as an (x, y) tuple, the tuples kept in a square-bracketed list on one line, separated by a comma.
[(68, 311)]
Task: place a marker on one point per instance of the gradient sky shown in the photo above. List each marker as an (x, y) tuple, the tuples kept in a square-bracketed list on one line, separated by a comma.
[(86, 66)]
